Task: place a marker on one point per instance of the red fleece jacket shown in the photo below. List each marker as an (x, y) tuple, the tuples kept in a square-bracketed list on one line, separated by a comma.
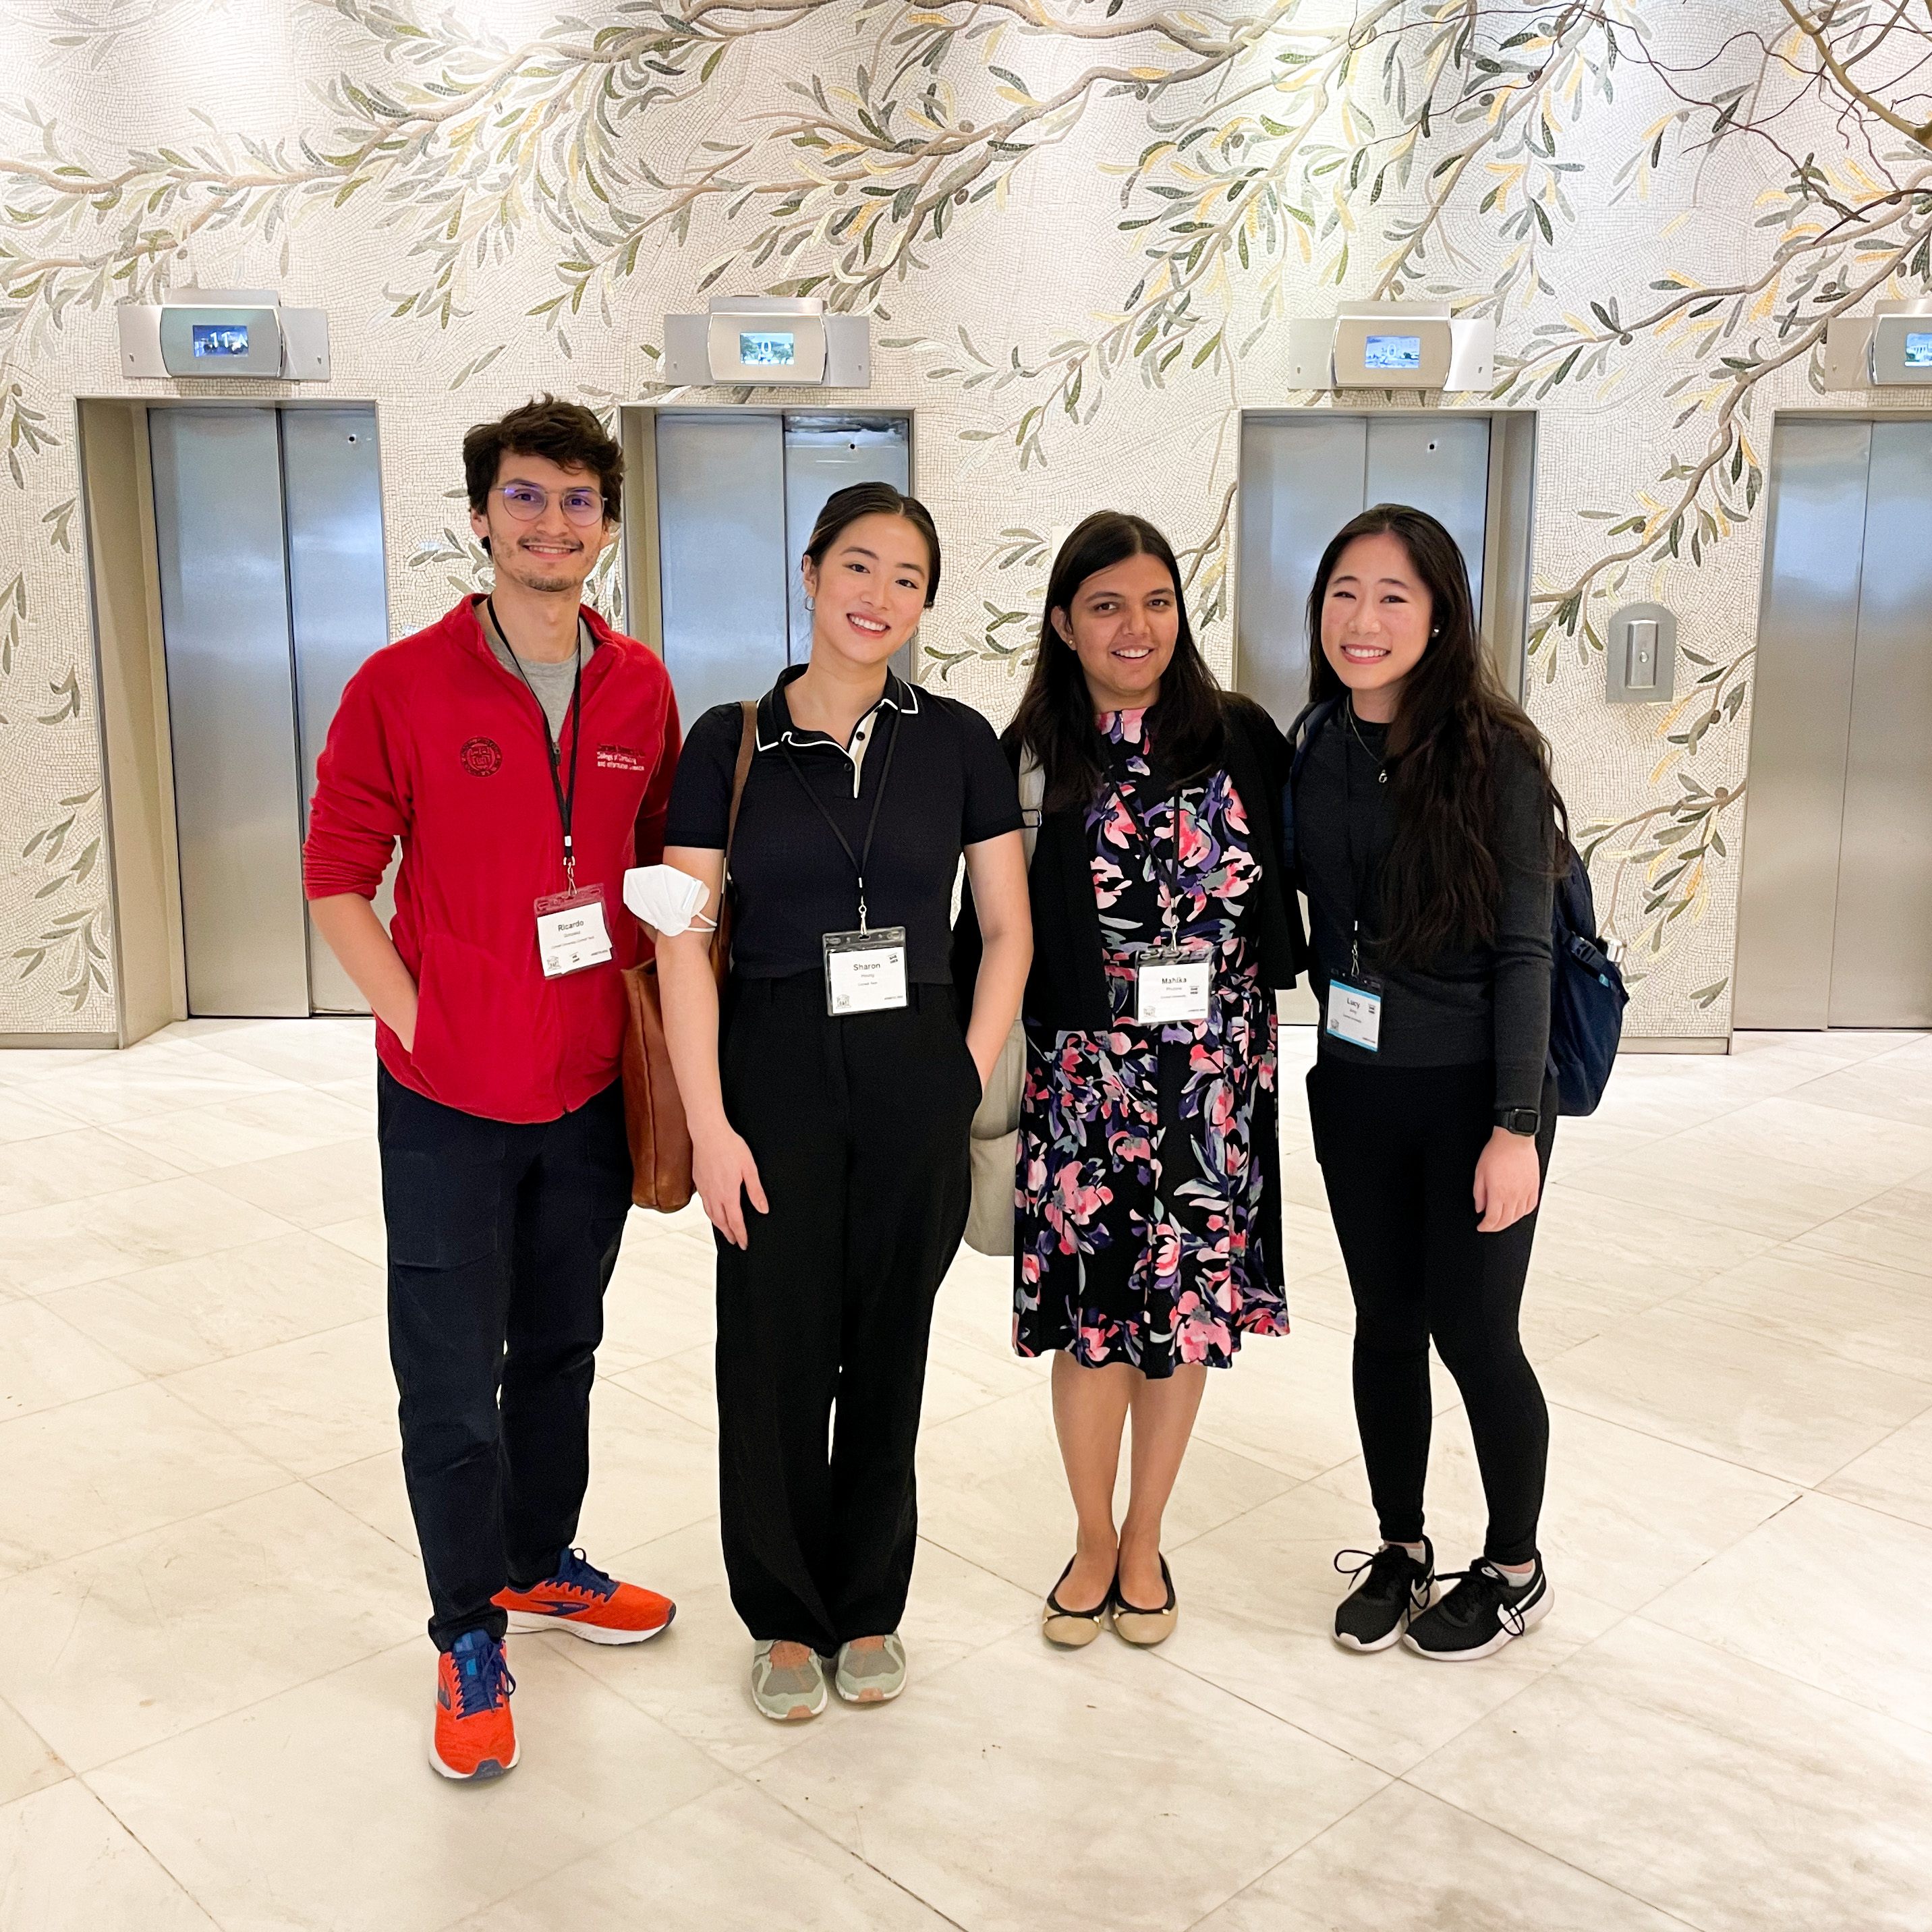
[(437, 745)]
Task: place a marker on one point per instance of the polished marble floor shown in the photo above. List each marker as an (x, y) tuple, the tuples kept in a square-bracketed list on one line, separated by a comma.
[(214, 1691)]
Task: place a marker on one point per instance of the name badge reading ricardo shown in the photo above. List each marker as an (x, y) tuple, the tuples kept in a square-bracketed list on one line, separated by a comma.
[(864, 972), (1170, 985), (571, 935), (1355, 1012)]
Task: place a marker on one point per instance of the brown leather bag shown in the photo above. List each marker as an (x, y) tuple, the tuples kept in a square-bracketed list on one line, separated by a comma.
[(653, 1112)]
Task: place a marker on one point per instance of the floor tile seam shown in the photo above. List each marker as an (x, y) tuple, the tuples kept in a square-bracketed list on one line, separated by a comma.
[(1315, 1837), (162, 1375), (1544, 1852), (108, 1764), (1909, 1282), (139, 1374), (1690, 1212), (160, 1863), (1923, 1725), (246, 1160), (136, 1264), (167, 1522), (1738, 1322), (1157, 1656), (95, 1550), (1689, 1448)]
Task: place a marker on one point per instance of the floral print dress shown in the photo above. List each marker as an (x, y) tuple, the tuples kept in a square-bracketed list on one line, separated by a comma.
[(1138, 1237)]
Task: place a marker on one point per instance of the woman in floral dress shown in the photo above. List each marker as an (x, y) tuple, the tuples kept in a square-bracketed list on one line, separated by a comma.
[(1147, 1242)]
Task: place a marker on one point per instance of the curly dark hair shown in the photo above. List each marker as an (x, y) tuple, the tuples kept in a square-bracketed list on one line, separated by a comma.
[(567, 433)]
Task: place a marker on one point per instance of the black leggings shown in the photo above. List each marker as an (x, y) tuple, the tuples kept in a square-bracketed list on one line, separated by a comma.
[(1398, 1146)]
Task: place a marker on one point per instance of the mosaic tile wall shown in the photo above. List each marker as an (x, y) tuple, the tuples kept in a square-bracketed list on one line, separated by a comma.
[(1079, 226)]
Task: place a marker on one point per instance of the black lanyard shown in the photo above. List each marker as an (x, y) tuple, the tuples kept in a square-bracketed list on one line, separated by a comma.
[(1122, 780), (859, 860), (1351, 731), (566, 801)]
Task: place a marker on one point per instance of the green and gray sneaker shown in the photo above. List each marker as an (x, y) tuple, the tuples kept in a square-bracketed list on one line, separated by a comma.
[(870, 1676), (787, 1693)]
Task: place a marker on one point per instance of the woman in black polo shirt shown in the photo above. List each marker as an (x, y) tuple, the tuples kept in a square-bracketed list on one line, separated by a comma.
[(832, 1155)]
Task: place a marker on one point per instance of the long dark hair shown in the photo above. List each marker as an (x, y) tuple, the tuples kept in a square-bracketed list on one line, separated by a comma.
[(1441, 885), (1055, 719), (856, 500)]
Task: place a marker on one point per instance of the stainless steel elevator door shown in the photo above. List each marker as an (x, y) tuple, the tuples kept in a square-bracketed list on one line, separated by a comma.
[(231, 708), (722, 551), (1303, 477), (738, 493), (1881, 944), (338, 607), (1835, 906)]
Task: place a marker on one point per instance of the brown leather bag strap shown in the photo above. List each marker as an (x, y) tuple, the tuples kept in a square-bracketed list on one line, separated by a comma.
[(747, 742)]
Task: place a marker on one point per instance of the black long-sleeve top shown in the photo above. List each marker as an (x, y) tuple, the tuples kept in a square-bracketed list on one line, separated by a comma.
[(1466, 1004)]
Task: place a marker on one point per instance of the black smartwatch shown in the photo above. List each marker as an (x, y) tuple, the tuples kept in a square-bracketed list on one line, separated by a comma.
[(1525, 1120)]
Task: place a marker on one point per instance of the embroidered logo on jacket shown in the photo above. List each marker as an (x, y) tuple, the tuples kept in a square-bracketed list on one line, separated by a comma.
[(482, 758), (622, 758)]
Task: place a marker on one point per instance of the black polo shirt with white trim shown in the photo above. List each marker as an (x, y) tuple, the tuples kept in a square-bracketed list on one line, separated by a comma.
[(950, 786)]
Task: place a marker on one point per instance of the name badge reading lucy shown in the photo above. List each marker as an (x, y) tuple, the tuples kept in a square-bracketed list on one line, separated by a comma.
[(864, 972), (1355, 1012), (571, 935), (1170, 985)]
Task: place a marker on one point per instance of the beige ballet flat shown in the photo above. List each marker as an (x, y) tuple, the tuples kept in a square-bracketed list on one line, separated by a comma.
[(1073, 1630), (1144, 1628)]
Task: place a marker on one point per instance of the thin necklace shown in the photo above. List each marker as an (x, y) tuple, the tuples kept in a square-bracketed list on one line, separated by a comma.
[(1355, 732)]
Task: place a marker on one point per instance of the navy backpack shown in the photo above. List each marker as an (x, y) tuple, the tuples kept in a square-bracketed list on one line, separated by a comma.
[(1587, 994)]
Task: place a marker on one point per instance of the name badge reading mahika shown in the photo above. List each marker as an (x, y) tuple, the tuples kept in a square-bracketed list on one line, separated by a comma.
[(571, 935), (864, 972), (1355, 1012), (1170, 985)]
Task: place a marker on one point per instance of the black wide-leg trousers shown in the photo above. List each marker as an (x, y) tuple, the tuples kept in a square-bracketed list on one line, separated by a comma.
[(859, 1126), (1398, 1147), (502, 1239)]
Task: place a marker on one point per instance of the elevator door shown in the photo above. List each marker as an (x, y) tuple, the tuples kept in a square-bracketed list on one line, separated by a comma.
[(1303, 477), (738, 493), (269, 543), (1836, 907)]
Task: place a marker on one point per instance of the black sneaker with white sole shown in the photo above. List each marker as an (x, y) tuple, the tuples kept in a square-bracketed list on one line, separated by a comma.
[(1482, 1613), (1393, 1588)]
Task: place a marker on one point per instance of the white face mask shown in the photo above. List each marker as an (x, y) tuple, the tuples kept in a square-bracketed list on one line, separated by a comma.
[(667, 900)]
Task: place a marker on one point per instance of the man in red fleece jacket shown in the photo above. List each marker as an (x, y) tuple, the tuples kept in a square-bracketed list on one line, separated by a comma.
[(522, 751)]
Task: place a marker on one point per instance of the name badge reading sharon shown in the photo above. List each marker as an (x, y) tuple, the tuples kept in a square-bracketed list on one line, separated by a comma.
[(571, 936), (1170, 985), (1355, 1012), (864, 972)]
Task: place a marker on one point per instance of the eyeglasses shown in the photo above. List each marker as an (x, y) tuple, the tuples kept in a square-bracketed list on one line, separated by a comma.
[(527, 502)]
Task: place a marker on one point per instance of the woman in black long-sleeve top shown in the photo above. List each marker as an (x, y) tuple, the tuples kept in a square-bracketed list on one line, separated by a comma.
[(1425, 826)]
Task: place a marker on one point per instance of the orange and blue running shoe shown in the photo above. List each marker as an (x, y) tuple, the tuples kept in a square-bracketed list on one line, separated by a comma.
[(581, 1599), (475, 1736)]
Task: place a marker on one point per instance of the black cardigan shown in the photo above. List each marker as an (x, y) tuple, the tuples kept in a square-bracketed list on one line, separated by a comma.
[(1067, 990)]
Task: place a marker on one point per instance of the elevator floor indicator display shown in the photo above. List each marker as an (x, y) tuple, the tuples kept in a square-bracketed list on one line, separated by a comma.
[(229, 338), (1393, 352), (1919, 350), (767, 351)]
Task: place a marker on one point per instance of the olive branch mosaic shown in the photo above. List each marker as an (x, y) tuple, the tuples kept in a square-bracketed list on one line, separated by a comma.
[(1258, 159)]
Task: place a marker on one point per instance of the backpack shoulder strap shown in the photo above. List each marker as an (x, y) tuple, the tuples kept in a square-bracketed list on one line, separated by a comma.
[(1306, 727)]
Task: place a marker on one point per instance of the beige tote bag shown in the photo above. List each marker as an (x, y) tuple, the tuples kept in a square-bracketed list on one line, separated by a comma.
[(995, 1132)]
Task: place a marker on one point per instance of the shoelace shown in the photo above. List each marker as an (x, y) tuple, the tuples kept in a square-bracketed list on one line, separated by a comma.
[(575, 1571), (1487, 1585), (1371, 1557), (483, 1679)]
